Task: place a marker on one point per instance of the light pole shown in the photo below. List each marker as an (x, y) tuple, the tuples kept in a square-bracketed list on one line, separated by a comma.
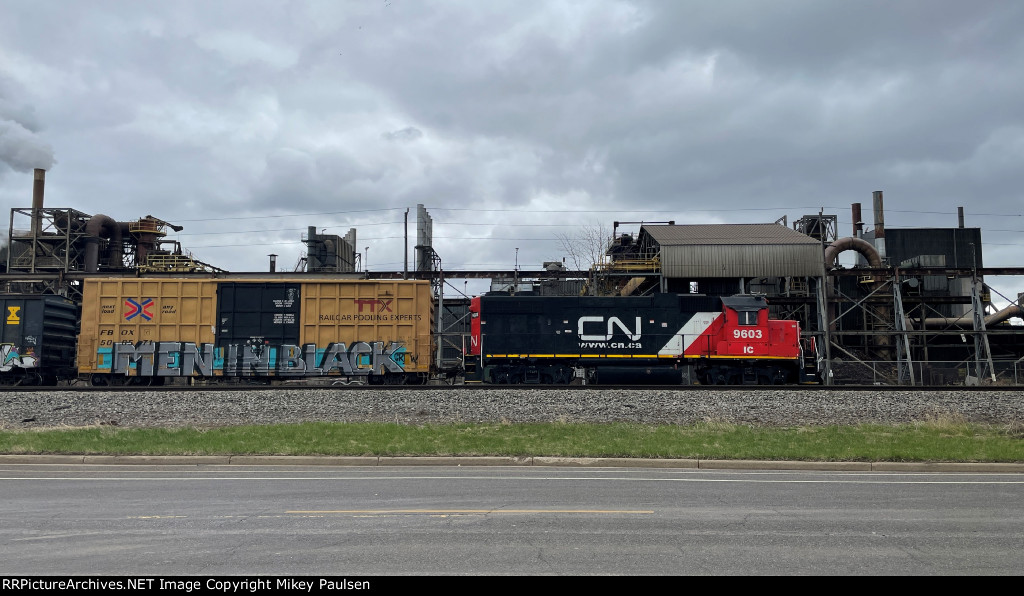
[(515, 276)]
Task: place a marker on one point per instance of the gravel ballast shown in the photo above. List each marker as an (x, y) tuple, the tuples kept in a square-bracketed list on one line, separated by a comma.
[(42, 409)]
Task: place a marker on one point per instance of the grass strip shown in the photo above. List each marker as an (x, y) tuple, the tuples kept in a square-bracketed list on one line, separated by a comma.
[(933, 440)]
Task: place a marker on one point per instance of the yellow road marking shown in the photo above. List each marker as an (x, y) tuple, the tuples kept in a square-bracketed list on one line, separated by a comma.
[(456, 511)]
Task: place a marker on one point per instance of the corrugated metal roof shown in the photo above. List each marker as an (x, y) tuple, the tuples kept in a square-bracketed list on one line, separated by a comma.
[(703, 234), (741, 260)]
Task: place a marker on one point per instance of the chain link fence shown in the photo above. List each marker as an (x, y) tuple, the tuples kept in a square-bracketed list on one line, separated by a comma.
[(932, 373)]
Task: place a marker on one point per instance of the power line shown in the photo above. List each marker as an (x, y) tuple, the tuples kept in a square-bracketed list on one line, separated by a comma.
[(581, 211), (295, 214)]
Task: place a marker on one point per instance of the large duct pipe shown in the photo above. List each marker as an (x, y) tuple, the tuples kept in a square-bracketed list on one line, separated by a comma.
[(38, 185), (1010, 312), (843, 244), (102, 226)]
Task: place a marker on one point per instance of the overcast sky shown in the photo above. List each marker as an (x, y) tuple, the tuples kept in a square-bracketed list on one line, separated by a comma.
[(512, 122)]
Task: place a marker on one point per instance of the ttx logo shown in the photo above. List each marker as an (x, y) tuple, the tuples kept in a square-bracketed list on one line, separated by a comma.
[(371, 304)]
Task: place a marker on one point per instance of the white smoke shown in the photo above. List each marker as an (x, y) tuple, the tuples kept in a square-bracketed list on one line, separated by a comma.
[(23, 150), (21, 147)]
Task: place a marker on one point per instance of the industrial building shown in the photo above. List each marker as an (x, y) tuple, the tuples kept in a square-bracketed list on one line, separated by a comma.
[(913, 308)]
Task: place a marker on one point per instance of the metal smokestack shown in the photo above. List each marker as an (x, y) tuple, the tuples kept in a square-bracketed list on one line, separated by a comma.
[(37, 199), (879, 223), (960, 216), (858, 223)]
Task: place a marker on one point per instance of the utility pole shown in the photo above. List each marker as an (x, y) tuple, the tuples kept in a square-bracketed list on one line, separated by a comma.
[(515, 276)]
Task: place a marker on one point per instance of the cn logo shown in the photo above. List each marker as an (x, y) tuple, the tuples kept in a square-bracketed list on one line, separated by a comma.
[(609, 328)]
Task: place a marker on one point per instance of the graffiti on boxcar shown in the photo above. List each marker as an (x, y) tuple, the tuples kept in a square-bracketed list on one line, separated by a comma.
[(184, 359), (11, 357)]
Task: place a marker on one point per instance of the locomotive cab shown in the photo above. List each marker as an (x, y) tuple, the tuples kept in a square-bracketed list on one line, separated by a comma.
[(751, 348), (746, 330)]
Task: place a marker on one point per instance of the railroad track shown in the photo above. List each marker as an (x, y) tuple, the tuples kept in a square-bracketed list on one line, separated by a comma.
[(263, 387)]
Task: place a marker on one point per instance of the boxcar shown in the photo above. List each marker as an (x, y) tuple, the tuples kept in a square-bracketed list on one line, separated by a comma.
[(145, 331)]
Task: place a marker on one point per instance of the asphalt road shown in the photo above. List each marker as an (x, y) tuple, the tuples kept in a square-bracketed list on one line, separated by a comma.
[(371, 521)]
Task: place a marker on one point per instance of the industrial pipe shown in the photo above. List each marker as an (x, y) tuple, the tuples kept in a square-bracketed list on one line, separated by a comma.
[(102, 226), (1011, 311), (849, 243)]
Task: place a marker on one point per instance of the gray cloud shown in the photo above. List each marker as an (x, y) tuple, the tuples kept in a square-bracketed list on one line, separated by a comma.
[(495, 115), (409, 133)]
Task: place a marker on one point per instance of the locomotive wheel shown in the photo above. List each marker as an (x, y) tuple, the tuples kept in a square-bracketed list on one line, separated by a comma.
[(99, 380)]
